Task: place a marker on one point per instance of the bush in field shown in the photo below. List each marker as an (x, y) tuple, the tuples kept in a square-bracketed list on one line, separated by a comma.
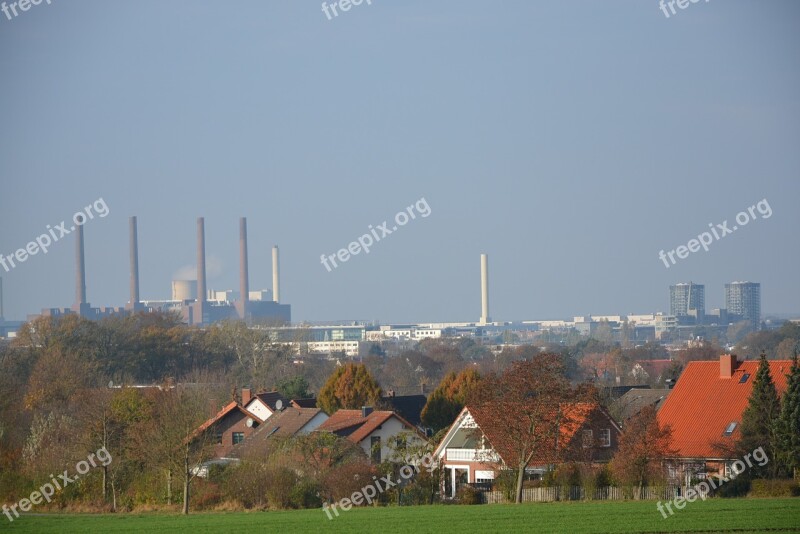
[(247, 484), (281, 483), (305, 494), (468, 495), (342, 481), (774, 488)]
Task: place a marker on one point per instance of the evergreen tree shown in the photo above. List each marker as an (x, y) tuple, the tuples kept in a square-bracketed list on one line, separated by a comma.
[(350, 387), (788, 424), (448, 399), (759, 420)]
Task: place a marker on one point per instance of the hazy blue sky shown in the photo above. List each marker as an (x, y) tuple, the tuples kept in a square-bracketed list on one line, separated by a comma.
[(571, 141)]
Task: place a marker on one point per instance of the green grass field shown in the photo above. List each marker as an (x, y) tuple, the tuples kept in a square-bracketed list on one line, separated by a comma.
[(718, 515)]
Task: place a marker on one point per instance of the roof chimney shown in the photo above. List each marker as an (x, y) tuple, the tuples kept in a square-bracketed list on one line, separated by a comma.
[(366, 410), (246, 396), (727, 365)]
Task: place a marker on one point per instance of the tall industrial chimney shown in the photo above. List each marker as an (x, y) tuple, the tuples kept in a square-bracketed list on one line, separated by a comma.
[(80, 271), (276, 275), (485, 289), (134, 253), (200, 305), (244, 285)]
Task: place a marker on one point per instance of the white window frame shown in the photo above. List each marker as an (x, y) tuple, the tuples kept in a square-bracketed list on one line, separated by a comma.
[(605, 437)]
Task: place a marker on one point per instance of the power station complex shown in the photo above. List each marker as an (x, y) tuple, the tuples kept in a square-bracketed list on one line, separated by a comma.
[(190, 298)]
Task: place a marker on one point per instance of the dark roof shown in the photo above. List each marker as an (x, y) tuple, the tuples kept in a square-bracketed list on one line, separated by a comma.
[(270, 398), (286, 423), (305, 403), (635, 400), (408, 406)]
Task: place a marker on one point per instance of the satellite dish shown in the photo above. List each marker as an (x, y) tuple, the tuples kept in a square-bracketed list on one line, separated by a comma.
[(279, 404), (249, 422)]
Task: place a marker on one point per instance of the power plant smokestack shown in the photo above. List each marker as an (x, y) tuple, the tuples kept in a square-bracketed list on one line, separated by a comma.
[(200, 305), (134, 252), (244, 285), (276, 275), (80, 271), (201, 259), (485, 289)]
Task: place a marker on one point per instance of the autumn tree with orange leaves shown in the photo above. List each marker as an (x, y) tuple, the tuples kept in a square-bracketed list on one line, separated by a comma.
[(350, 387), (643, 450), (527, 408)]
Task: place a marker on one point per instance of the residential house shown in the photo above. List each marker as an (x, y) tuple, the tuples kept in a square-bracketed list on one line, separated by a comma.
[(373, 430), (705, 411), (263, 404), (228, 427), (471, 454), (634, 401), (290, 422), (652, 371), (409, 407)]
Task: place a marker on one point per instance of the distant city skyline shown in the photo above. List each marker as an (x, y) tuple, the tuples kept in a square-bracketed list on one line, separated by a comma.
[(570, 165)]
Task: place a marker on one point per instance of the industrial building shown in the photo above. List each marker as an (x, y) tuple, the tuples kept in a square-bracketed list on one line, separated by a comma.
[(189, 298)]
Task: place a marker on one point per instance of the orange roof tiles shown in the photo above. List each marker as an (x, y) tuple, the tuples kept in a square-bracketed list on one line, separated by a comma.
[(702, 404), (355, 427)]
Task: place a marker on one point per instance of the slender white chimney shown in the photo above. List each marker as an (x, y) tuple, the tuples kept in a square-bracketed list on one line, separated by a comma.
[(485, 289), (276, 275)]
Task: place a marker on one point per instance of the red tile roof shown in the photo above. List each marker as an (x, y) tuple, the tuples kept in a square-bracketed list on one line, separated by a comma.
[(355, 427), (702, 404)]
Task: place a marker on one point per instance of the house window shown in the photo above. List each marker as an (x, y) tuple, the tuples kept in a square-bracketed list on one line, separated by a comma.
[(605, 437), (588, 439), (727, 470), (238, 437), (730, 428), (219, 438), (375, 448)]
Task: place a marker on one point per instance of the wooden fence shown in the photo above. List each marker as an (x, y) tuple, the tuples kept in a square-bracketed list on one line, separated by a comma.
[(577, 493)]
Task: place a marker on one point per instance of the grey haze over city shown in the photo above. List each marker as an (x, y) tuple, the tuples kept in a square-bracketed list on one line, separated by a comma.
[(571, 142)]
